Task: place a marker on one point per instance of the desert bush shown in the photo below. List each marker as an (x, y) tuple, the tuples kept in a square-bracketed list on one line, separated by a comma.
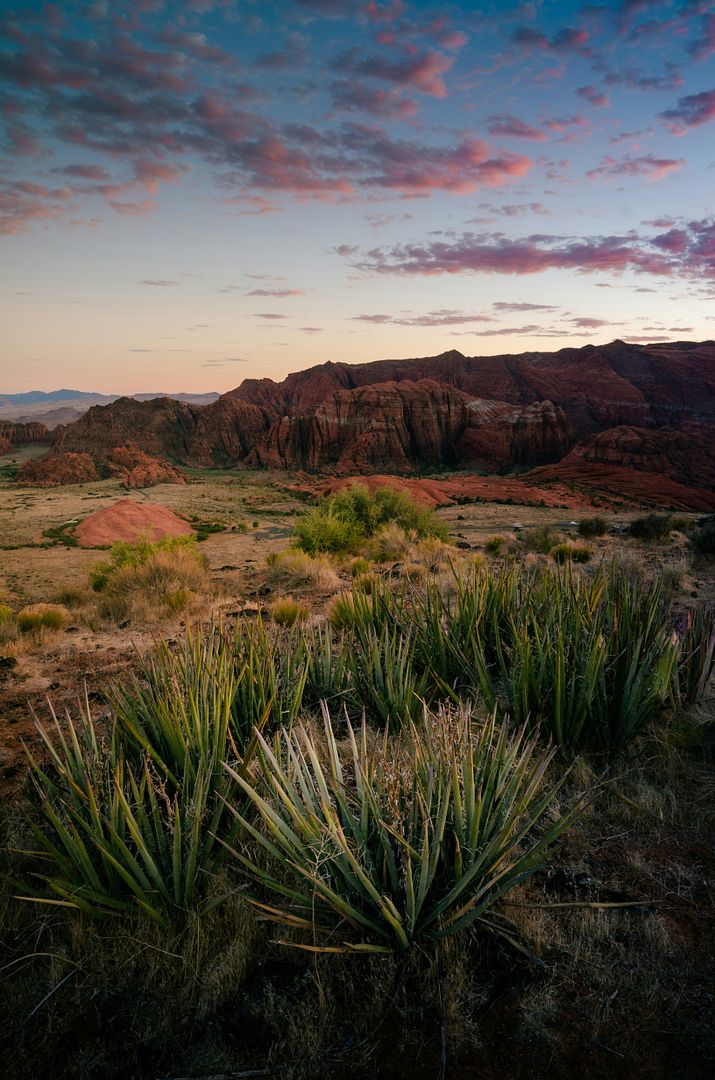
[(592, 527), (672, 576), (295, 570), (414, 838), (343, 521), (577, 553), (390, 544), (540, 539), (494, 544), (359, 567), (652, 527), (286, 611), (41, 617), (70, 598), (6, 614), (149, 581), (124, 555)]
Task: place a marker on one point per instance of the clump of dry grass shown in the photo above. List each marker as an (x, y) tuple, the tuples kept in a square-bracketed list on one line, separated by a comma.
[(285, 611), (167, 583), (293, 569), (38, 617)]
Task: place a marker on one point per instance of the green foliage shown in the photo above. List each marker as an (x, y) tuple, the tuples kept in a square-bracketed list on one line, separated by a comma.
[(540, 539), (591, 527), (652, 527), (494, 545), (360, 567), (343, 521), (61, 535), (6, 614), (415, 838), (123, 554), (119, 835)]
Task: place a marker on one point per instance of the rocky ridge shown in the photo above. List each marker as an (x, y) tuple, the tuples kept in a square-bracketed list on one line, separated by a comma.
[(649, 409)]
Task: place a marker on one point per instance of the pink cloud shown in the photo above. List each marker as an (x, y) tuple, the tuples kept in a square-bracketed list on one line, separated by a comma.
[(352, 95), (690, 112), (594, 96), (511, 127), (651, 167), (276, 292), (440, 317), (491, 253), (422, 72)]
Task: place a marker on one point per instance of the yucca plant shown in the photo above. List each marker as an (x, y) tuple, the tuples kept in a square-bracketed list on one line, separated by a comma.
[(178, 707), (327, 674), (384, 680), (119, 836), (377, 847), (694, 637), (272, 673)]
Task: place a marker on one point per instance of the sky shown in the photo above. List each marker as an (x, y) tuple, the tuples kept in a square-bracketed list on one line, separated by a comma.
[(200, 191)]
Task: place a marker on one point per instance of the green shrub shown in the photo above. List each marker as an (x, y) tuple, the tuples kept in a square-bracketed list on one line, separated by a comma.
[(149, 581), (6, 614), (360, 567), (652, 527), (343, 521), (540, 539), (494, 545), (591, 527), (412, 838)]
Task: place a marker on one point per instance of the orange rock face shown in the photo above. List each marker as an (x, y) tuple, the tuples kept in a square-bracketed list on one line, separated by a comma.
[(648, 409), (139, 470), (58, 469)]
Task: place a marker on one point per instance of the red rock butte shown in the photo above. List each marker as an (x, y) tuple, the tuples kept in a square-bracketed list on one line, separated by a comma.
[(130, 521), (634, 420)]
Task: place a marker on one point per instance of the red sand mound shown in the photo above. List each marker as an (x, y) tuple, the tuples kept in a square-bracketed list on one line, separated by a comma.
[(444, 492), (129, 520)]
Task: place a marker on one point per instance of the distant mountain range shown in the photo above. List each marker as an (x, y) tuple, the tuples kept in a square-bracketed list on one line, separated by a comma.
[(53, 407)]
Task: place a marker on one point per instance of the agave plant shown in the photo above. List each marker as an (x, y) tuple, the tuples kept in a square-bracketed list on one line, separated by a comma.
[(381, 846)]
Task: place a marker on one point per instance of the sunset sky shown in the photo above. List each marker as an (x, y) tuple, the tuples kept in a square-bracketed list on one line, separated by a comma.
[(199, 191)]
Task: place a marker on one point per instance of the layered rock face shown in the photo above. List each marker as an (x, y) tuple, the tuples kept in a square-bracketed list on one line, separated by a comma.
[(646, 409), (21, 434)]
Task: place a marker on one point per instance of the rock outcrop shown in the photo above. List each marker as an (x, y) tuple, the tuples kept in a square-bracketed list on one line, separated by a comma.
[(138, 470), (57, 469)]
